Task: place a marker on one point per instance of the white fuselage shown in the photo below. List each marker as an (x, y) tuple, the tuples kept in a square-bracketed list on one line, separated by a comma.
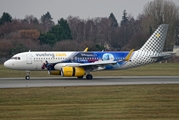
[(35, 60)]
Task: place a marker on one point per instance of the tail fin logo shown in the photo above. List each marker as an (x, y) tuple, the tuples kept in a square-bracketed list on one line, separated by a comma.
[(158, 35)]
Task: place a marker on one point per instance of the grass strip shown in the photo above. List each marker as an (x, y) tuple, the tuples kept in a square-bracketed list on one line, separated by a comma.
[(155, 102)]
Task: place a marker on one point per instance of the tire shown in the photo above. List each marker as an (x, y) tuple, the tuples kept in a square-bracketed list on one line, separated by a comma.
[(27, 77), (89, 76)]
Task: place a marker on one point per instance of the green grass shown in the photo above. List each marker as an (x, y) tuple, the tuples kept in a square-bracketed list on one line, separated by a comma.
[(158, 69), (134, 102), (163, 69)]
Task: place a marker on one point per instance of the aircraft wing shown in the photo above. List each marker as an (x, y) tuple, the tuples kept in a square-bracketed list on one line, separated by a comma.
[(91, 66), (95, 64), (99, 63), (102, 63)]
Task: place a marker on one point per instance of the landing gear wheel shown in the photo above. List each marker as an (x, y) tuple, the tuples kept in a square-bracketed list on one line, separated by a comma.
[(80, 77), (27, 77), (89, 76)]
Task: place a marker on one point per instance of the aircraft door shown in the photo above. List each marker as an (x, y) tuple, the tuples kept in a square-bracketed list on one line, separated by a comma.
[(29, 58)]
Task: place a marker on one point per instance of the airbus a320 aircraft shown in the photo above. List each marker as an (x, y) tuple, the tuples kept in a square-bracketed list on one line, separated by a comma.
[(78, 64)]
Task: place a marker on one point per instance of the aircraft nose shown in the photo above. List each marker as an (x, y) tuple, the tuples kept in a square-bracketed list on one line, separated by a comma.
[(7, 64)]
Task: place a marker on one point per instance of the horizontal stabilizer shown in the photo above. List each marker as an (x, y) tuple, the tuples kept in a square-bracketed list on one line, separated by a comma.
[(163, 56)]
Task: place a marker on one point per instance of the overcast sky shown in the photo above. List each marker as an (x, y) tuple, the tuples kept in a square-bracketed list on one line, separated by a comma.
[(63, 8)]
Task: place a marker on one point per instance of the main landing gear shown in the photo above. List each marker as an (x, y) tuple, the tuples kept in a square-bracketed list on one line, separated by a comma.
[(88, 77), (27, 77)]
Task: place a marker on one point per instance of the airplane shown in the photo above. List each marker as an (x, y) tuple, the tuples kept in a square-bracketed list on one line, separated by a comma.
[(81, 63)]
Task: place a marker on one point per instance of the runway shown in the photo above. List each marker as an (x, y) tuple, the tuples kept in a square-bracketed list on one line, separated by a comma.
[(100, 80)]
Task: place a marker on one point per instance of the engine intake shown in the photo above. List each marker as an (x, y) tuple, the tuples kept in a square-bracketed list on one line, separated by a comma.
[(72, 71)]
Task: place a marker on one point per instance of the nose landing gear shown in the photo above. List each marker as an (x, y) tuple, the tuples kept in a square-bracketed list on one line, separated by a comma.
[(27, 77)]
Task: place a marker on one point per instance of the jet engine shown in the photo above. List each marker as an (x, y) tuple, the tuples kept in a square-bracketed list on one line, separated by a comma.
[(72, 71), (54, 72)]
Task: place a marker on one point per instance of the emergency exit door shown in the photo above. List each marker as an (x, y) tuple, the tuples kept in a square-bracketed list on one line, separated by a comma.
[(29, 58)]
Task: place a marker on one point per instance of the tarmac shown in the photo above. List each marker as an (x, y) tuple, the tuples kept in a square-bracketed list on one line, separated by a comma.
[(96, 81)]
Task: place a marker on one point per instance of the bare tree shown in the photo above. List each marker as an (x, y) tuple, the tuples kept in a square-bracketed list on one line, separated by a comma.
[(77, 27), (161, 12), (5, 47), (90, 31), (31, 19)]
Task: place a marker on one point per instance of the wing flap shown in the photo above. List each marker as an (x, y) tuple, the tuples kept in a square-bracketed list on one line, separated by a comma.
[(98, 63)]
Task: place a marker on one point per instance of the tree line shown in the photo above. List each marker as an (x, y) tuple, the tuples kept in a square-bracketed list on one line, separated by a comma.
[(101, 33)]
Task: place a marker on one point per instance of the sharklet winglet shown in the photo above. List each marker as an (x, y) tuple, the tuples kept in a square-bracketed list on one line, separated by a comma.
[(129, 55), (86, 50)]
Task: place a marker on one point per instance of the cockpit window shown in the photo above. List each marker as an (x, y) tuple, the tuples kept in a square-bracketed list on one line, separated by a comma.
[(16, 58)]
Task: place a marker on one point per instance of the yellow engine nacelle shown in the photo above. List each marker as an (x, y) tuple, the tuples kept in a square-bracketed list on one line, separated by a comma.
[(72, 71), (54, 72)]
